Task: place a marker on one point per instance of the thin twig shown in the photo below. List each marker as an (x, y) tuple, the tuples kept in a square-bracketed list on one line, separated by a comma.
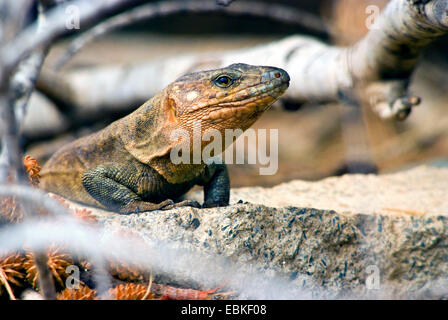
[(148, 290), (22, 85), (24, 78), (277, 12)]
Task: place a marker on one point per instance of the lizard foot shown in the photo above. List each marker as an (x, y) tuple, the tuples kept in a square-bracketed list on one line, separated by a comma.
[(142, 206)]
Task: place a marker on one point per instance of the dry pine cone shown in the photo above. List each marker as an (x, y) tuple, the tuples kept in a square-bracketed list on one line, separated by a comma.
[(10, 211), (130, 291), (57, 263), (83, 293), (11, 267)]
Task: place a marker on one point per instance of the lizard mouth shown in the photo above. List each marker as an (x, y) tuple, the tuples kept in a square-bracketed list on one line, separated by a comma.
[(253, 93), (247, 101)]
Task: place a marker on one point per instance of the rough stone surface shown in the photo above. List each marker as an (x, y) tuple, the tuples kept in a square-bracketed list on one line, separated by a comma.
[(420, 191), (394, 226)]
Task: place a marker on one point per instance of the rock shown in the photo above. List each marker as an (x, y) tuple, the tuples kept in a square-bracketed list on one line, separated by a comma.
[(419, 191), (361, 236)]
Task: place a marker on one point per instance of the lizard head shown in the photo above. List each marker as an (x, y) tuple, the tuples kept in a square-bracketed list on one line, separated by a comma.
[(228, 98)]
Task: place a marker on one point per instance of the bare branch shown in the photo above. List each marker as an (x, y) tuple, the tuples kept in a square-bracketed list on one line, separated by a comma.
[(90, 12), (21, 86), (24, 78), (378, 67), (10, 157), (276, 12), (14, 13)]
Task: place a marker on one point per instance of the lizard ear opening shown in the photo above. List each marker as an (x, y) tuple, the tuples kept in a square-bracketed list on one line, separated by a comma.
[(171, 110)]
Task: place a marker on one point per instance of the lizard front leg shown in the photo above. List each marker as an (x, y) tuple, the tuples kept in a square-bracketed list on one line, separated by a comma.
[(115, 187), (216, 186)]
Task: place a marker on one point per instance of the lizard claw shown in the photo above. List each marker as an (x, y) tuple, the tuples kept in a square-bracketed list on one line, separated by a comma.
[(142, 206), (168, 204), (165, 204), (184, 203)]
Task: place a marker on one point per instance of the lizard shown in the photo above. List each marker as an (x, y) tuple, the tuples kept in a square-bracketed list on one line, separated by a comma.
[(126, 166)]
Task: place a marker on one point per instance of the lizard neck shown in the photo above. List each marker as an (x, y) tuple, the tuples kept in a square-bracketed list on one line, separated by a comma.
[(145, 134)]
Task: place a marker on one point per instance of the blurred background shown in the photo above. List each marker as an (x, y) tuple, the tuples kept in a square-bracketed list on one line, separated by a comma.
[(315, 141)]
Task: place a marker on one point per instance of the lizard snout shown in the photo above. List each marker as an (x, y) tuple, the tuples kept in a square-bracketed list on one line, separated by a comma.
[(276, 74)]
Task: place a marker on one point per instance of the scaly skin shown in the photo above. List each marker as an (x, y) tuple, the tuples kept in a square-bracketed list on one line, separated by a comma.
[(126, 166)]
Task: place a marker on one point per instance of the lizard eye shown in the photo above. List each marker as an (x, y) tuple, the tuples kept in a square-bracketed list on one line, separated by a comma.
[(223, 81)]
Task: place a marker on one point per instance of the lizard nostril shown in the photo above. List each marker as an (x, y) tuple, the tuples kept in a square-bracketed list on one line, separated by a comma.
[(277, 75)]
